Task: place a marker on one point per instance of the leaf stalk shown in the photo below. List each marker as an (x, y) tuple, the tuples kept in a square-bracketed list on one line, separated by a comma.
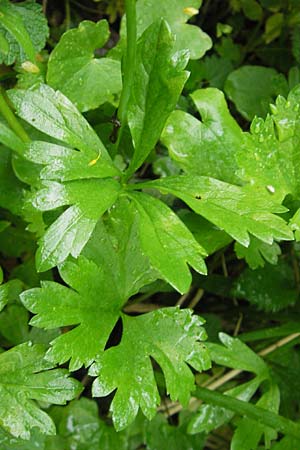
[(10, 117)]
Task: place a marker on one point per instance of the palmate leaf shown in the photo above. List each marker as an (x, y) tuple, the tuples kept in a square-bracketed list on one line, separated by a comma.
[(236, 210), (72, 68), (92, 303), (171, 337), (99, 286), (74, 176), (24, 376), (159, 78), (167, 242)]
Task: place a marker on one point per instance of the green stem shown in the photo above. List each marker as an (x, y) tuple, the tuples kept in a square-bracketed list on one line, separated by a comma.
[(128, 64), (10, 117), (256, 413)]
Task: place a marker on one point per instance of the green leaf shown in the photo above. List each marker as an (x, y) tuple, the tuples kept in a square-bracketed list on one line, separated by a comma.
[(252, 9), (270, 288), (207, 147), (287, 443), (273, 27), (159, 78), (237, 355), (258, 252), (270, 155), (249, 432), (68, 235), (52, 113), (72, 68), (176, 13), (10, 291), (211, 69), (295, 40), (11, 189), (158, 432), (81, 428), (236, 210), (120, 254), (37, 440), (91, 303), (81, 171), (25, 30), (253, 88), (169, 245), (24, 376), (10, 139), (209, 417), (171, 337), (14, 324), (210, 237)]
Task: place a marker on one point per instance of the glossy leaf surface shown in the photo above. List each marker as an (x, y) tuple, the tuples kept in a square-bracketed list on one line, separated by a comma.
[(72, 68), (176, 13), (171, 337), (159, 78), (236, 210), (163, 234), (207, 147), (91, 304), (25, 377)]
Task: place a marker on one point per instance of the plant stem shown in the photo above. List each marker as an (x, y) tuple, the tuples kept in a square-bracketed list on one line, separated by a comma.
[(10, 117), (215, 384), (128, 65), (261, 415)]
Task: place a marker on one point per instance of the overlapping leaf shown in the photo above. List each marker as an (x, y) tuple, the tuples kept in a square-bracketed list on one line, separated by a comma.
[(270, 288), (24, 376), (72, 68), (120, 253), (82, 172), (237, 210), (91, 305), (270, 156), (258, 252), (159, 78), (176, 13), (171, 337), (253, 88), (207, 147), (169, 245)]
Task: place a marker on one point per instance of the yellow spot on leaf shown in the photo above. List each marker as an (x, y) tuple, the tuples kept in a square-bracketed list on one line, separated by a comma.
[(28, 66), (93, 162), (190, 11)]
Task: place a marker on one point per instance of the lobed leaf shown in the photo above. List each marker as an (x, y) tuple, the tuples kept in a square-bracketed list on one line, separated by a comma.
[(171, 337), (24, 376), (91, 305), (169, 245), (236, 210), (72, 68)]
